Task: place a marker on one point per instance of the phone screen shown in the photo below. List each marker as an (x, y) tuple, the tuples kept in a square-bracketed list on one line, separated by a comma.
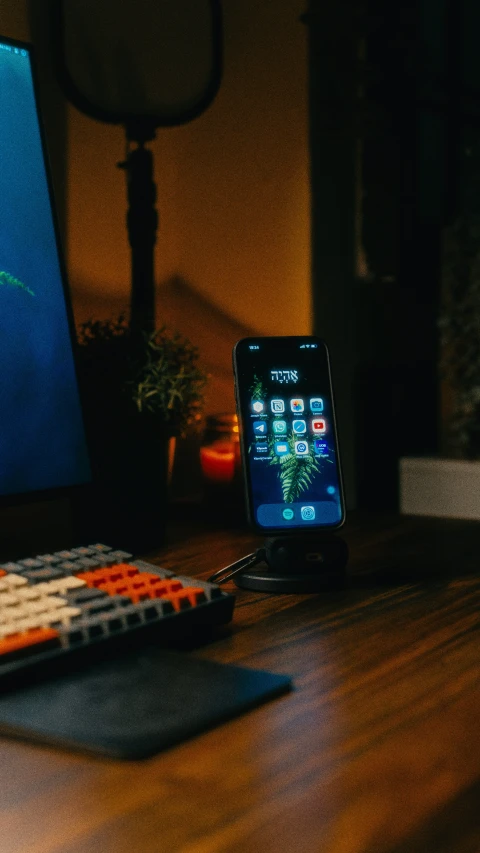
[(287, 427)]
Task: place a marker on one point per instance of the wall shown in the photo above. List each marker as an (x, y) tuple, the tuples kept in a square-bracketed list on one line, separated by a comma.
[(14, 20), (233, 188)]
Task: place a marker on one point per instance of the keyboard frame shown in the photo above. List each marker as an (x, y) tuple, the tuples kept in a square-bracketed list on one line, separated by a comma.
[(185, 628)]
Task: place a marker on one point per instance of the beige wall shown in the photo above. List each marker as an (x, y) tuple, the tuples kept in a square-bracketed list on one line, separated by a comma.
[(233, 190), (13, 19)]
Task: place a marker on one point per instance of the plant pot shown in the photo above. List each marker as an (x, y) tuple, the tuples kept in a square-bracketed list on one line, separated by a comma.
[(448, 488), (132, 459)]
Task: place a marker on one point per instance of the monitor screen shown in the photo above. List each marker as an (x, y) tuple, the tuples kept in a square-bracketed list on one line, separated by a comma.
[(42, 440)]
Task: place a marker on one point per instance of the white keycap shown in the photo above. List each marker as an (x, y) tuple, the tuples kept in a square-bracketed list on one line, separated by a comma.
[(8, 629), (63, 615), (71, 582), (60, 585), (8, 599), (40, 606), (28, 593), (45, 588), (54, 602), (13, 614), (27, 624), (12, 580)]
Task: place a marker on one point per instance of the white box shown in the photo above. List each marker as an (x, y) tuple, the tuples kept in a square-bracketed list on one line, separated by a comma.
[(449, 488)]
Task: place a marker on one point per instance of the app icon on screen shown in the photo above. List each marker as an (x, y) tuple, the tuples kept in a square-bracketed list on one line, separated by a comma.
[(257, 406), (277, 406), (319, 425), (288, 513), (279, 427), (301, 448), (281, 448), (299, 426), (260, 427), (296, 404), (320, 446), (261, 448), (316, 405), (307, 513)]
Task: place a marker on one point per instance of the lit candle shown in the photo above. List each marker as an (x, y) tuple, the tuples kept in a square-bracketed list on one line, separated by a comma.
[(218, 461)]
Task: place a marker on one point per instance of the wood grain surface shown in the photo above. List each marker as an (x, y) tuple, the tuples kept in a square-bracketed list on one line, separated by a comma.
[(377, 748)]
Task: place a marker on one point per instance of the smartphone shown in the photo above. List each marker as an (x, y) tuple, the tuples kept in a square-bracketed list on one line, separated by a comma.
[(288, 434)]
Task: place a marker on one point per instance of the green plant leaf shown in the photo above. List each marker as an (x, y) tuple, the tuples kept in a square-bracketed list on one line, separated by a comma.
[(257, 389), (11, 281), (295, 472), (157, 376)]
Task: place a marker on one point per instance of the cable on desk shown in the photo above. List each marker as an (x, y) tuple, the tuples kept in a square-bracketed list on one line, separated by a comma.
[(224, 575)]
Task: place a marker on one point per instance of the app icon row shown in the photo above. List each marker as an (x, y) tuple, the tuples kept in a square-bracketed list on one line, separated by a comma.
[(282, 448), (307, 513), (317, 425), (295, 404), (301, 448)]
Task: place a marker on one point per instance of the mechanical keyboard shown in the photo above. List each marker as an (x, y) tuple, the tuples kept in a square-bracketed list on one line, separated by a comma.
[(70, 604)]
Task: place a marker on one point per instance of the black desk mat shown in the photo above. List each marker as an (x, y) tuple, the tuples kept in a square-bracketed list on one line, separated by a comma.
[(135, 706)]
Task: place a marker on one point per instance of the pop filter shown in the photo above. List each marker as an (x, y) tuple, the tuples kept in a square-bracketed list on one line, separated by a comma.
[(144, 64), (130, 61)]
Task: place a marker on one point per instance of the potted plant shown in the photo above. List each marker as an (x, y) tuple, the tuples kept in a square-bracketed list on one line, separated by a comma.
[(139, 394)]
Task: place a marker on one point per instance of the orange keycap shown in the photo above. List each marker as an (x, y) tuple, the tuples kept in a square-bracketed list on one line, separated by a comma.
[(117, 588), (27, 642), (148, 576), (159, 590), (186, 597), (87, 577), (112, 573), (140, 594), (120, 572), (179, 600), (115, 576), (166, 588), (173, 586), (196, 595), (124, 588), (127, 569), (112, 588)]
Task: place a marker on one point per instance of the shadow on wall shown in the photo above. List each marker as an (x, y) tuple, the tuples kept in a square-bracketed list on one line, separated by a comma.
[(183, 309)]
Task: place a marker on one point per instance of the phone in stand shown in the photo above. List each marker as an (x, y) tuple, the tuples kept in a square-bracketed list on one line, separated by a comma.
[(288, 435)]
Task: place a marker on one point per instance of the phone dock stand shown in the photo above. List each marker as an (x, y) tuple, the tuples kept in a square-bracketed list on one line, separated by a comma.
[(293, 564)]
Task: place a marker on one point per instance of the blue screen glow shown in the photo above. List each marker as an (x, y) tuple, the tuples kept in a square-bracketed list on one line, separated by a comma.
[(42, 442)]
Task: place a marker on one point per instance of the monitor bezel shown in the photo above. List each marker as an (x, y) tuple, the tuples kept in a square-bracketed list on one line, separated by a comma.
[(74, 490)]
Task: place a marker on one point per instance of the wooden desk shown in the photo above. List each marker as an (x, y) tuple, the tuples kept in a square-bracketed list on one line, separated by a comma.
[(377, 749)]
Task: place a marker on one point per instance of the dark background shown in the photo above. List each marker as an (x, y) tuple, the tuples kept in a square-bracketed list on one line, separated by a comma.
[(394, 131)]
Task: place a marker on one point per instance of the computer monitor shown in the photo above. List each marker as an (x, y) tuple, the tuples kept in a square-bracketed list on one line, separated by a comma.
[(43, 449)]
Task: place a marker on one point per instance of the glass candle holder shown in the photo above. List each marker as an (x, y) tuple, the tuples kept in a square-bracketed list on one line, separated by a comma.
[(220, 451)]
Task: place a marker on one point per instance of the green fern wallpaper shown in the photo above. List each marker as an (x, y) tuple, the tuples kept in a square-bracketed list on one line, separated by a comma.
[(295, 473)]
